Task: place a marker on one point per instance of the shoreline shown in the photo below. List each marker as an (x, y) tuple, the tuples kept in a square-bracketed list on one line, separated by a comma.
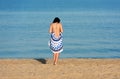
[(59, 57), (70, 68)]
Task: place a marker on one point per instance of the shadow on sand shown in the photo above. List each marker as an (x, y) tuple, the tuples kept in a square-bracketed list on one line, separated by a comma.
[(41, 60)]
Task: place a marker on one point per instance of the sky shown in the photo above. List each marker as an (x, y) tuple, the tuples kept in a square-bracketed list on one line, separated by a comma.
[(39, 5)]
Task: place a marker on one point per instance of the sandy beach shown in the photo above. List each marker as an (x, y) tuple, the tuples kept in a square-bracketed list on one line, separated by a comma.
[(65, 69)]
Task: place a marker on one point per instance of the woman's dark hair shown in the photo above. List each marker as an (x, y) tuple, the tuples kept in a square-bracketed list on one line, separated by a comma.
[(56, 20)]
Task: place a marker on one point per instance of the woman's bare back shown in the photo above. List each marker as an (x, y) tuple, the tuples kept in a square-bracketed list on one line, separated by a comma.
[(56, 28)]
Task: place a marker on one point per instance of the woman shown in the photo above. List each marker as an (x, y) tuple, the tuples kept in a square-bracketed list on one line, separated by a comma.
[(56, 39)]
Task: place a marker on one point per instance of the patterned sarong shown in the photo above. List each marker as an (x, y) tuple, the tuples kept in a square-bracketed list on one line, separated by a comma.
[(56, 44)]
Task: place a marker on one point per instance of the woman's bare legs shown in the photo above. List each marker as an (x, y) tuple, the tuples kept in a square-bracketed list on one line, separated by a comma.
[(55, 57)]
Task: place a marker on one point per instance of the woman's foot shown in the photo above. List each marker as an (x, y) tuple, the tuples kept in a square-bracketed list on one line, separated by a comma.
[(54, 63)]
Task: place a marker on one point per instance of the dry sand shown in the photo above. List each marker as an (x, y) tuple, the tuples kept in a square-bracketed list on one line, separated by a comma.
[(65, 69)]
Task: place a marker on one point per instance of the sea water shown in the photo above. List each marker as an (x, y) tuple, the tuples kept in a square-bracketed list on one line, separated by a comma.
[(87, 34)]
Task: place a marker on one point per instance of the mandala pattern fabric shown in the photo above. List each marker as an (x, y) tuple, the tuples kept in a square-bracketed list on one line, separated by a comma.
[(56, 44)]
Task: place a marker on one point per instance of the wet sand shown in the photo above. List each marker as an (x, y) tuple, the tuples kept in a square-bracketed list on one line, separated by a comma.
[(65, 69)]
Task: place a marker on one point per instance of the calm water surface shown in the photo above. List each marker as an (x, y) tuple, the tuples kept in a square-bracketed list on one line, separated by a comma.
[(87, 34)]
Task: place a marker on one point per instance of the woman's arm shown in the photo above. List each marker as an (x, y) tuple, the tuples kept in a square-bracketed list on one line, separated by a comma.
[(50, 30), (61, 28)]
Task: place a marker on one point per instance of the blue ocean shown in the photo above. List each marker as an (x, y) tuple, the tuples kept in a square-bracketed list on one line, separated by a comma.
[(87, 34)]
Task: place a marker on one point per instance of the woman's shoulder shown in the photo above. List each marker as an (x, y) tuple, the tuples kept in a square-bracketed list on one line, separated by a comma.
[(59, 24), (54, 24), (51, 24)]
